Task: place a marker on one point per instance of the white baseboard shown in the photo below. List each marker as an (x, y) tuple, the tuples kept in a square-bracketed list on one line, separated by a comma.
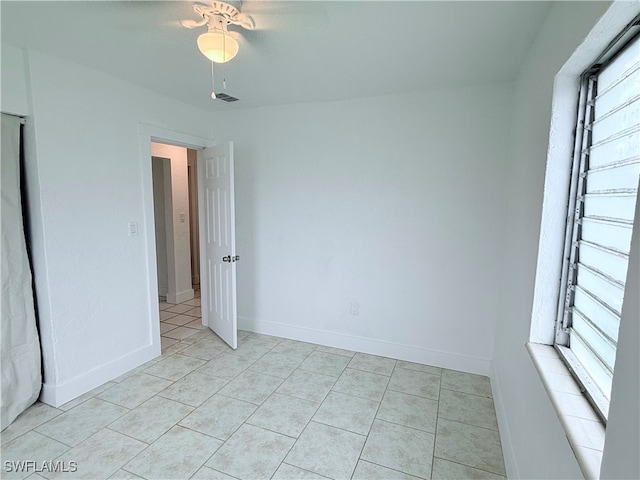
[(510, 463), (372, 346), (180, 297), (56, 395)]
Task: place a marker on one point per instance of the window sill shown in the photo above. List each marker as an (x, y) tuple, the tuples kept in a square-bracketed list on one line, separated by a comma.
[(582, 425)]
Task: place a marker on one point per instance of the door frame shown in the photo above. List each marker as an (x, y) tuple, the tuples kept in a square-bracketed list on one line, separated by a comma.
[(148, 134)]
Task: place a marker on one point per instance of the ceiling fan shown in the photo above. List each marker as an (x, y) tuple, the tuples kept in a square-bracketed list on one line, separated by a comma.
[(220, 45), (217, 45)]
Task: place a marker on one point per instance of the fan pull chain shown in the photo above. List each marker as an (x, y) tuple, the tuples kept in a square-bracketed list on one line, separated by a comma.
[(213, 90)]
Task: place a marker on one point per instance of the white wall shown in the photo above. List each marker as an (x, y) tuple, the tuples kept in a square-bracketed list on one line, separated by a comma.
[(92, 277), (160, 170), (622, 444), (178, 236), (535, 444), (396, 202), (13, 97), (194, 228)]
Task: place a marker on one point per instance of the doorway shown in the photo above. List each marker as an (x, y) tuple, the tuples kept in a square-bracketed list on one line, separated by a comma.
[(210, 176), (175, 200)]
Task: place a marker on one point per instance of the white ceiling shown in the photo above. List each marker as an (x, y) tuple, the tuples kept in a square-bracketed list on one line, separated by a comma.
[(300, 51)]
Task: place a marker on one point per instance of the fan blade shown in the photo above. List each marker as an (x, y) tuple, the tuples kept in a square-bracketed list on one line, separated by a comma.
[(193, 23), (245, 21)]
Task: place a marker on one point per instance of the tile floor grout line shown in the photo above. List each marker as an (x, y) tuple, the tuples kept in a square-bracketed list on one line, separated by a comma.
[(44, 435), (204, 464), (470, 466), (405, 426), (396, 470), (178, 424), (289, 451), (375, 416), (217, 471), (122, 468), (303, 469), (470, 425), (128, 436), (102, 400), (420, 396), (466, 393), (248, 422), (339, 428), (435, 435)]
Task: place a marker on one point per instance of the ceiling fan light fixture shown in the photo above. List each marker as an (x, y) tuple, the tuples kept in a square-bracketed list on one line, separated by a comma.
[(217, 45)]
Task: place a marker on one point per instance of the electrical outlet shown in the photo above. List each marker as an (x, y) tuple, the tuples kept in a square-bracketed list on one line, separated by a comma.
[(354, 308)]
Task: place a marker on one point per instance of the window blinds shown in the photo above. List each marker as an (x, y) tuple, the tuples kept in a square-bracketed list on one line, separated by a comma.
[(603, 218)]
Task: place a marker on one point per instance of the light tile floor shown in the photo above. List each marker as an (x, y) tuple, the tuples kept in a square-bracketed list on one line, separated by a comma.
[(273, 408)]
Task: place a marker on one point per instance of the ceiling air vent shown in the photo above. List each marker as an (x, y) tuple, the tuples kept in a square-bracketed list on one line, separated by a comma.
[(226, 98)]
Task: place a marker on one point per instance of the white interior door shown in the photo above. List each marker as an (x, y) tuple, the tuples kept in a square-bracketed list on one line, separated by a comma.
[(218, 242)]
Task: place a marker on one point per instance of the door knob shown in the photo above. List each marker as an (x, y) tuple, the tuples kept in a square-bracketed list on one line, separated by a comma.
[(227, 258), (236, 258)]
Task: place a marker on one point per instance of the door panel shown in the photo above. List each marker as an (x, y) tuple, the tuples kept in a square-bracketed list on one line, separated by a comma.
[(217, 242)]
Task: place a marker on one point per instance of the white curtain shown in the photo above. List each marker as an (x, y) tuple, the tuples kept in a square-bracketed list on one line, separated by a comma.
[(20, 367)]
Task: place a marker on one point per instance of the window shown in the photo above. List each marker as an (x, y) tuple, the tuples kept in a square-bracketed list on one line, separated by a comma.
[(602, 203)]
